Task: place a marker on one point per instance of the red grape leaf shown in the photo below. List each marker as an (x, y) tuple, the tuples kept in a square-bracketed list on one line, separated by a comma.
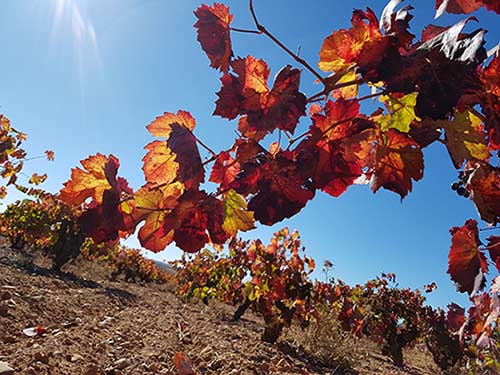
[(334, 174), (279, 188), (456, 6), (467, 265), (398, 160), (478, 313), (465, 6), (182, 364), (341, 49), (224, 170), (162, 125), (264, 110), (214, 34), (455, 317), (484, 185), (494, 250), (397, 23), (490, 101), (197, 220), (176, 159)]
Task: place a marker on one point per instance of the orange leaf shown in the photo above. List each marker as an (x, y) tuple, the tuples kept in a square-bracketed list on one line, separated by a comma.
[(177, 158), (182, 364), (91, 182), (342, 48)]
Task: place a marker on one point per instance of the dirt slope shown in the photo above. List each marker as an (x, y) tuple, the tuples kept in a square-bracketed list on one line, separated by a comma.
[(95, 326)]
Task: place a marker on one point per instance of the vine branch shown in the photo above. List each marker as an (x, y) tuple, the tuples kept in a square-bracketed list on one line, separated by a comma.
[(264, 31)]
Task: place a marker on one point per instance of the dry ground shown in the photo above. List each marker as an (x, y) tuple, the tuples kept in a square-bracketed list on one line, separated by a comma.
[(95, 326)]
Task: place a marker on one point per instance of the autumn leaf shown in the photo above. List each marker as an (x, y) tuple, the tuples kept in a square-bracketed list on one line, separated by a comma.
[(50, 155), (490, 101), (97, 176), (341, 49), (398, 161), (456, 6), (401, 112), (182, 364), (467, 265), (37, 179), (465, 6), (214, 34), (349, 91), (177, 158), (152, 206), (224, 170), (246, 93), (236, 216), (279, 188), (493, 248), (484, 185), (455, 317), (465, 138)]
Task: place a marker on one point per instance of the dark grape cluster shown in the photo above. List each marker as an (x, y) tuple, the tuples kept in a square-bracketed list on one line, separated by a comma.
[(459, 186)]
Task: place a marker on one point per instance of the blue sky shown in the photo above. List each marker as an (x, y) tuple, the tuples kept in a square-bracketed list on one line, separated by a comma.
[(87, 76)]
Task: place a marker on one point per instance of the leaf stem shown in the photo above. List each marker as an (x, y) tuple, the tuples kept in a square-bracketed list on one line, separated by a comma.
[(264, 31), (246, 31), (212, 152)]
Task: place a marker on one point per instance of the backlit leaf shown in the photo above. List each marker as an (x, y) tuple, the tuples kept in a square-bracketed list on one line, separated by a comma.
[(341, 49), (467, 265), (214, 34), (236, 216)]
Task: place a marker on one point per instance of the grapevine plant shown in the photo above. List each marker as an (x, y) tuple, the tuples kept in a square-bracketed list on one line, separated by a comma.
[(442, 86)]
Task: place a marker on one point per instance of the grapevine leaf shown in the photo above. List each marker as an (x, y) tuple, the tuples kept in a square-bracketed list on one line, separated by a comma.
[(162, 125), (178, 157), (241, 93), (494, 250), (341, 49), (465, 6), (467, 265), (401, 112), (398, 160), (350, 91), (159, 164), (98, 175), (236, 216), (264, 110), (225, 170), (465, 138), (484, 184), (490, 101), (334, 174), (455, 317), (214, 34), (456, 6), (152, 206), (279, 188)]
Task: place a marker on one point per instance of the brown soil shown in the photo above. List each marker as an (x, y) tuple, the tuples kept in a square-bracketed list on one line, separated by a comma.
[(95, 326)]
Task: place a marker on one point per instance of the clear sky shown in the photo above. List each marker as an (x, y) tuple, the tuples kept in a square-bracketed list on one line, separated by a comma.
[(87, 76)]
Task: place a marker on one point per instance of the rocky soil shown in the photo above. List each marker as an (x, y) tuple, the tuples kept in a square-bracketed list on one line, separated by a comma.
[(82, 323)]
